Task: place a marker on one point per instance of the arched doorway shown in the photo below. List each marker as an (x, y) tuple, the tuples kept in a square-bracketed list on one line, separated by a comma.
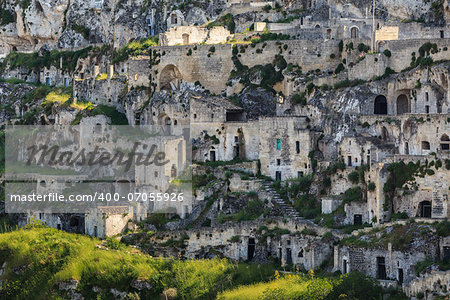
[(354, 33), (425, 209), (380, 105), (185, 38), (170, 78), (402, 104), (381, 46)]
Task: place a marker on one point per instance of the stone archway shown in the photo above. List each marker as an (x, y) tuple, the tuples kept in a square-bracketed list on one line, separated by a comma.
[(380, 105), (170, 78), (185, 37), (354, 32), (381, 46), (402, 104)]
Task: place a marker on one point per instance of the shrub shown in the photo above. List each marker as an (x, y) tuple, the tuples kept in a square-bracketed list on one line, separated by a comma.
[(299, 99), (235, 239), (399, 216), (353, 195), (212, 49), (442, 228), (83, 30), (353, 177), (341, 46), (349, 46), (117, 118), (339, 69), (114, 244), (6, 16), (363, 48), (387, 53), (371, 186)]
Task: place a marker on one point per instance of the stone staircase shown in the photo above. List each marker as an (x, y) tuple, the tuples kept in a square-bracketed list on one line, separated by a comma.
[(286, 208)]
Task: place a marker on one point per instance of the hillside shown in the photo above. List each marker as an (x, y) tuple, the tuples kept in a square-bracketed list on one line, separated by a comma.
[(44, 263)]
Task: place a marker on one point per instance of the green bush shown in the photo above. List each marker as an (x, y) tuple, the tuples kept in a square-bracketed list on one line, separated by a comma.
[(339, 69), (399, 216), (387, 53), (371, 186), (341, 46), (363, 48), (299, 99), (83, 30), (353, 177), (226, 21), (112, 243), (353, 195), (117, 118), (6, 17), (442, 228)]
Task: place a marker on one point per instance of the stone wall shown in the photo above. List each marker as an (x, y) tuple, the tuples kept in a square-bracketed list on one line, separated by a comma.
[(285, 144), (183, 35), (364, 260)]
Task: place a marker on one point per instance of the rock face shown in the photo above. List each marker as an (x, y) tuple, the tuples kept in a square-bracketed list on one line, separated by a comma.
[(258, 102), (28, 25), (77, 23)]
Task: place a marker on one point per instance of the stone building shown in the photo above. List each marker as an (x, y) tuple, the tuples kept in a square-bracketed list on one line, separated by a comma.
[(285, 146), (282, 144), (361, 150), (107, 221), (185, 35), (383, 264)]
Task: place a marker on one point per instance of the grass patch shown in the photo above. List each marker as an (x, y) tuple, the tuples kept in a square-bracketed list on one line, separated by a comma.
[(48, 256)]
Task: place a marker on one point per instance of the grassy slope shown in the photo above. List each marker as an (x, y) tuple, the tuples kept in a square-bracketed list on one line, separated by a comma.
[(51, 256)]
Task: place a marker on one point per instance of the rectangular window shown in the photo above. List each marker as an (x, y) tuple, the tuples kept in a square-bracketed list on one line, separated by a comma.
[(278, 144), (297, 147), (278, 162)]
